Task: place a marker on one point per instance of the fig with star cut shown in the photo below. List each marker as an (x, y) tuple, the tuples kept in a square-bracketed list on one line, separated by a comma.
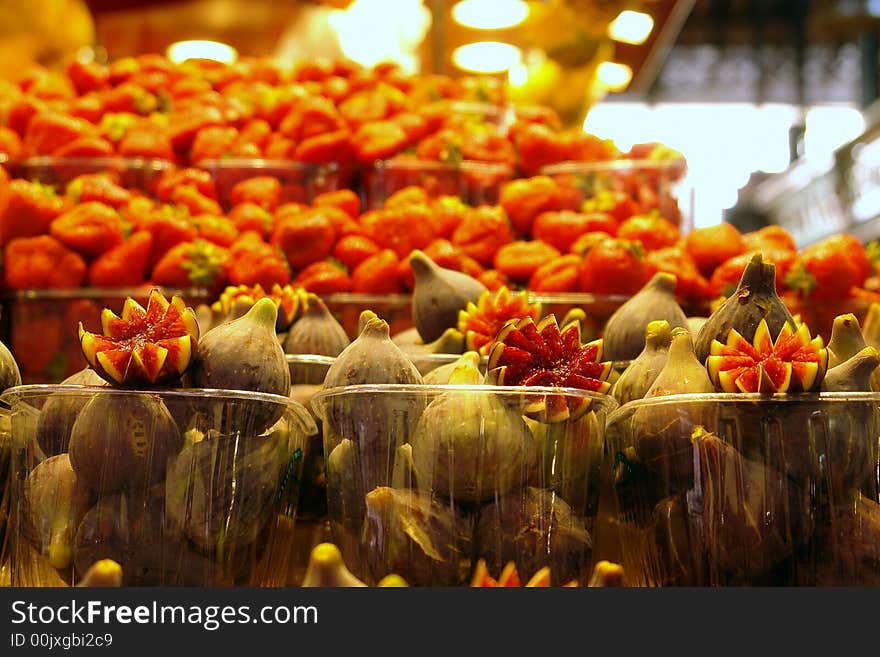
[(150, 346), (542, 354)]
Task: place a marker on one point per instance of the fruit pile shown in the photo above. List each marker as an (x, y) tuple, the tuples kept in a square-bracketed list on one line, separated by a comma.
[(765, 483), (133, 460)]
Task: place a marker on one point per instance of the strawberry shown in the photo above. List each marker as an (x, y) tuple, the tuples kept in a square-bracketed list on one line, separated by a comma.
[(265, 191), (29, 209), (830, 268), (613, 266), (89, 228), (125, 265), (192, 264), (98, 187)]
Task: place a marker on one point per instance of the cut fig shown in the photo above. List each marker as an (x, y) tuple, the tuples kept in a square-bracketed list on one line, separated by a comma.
[(793, 362), (480, 322), (526, 354), (151, 346)]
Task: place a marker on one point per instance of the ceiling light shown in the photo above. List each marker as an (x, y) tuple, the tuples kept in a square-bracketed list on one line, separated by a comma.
[(490, 14), (197, 49), (631, 27), (487, 56), (614, 76)]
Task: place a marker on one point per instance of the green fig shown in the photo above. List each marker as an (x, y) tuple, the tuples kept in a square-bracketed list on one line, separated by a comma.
[(846, 339), (624, 335), (438, 296), (441, 375), (854, 373), (326, 568), (56, 499), (638, 377)]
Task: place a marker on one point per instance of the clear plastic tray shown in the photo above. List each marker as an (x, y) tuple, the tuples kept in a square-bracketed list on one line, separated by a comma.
[(742, 489), (424, 480)]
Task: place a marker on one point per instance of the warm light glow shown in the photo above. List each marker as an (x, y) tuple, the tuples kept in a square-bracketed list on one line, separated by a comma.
[(196, 49), (614, 76), (490, 14), (487, 56), (374, 31), (631, 27)]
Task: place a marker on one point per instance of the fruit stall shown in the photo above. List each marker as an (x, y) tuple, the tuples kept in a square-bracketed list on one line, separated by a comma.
[(339, 325)]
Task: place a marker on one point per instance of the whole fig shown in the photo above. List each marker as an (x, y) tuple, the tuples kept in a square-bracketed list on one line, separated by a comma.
[(754, 299), (60, 410), (846, 339), (220, 491), (438, 296), (244, 354), (470, 447), (638, 377), (315, 332), (624, 335), (123, 441), (10, 374), (533, 529), (56, 499)]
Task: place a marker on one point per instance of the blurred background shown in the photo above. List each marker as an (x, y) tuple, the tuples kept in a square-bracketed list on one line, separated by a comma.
[(771, 101)]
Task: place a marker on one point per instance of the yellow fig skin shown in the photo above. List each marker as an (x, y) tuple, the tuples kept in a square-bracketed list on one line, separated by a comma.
[(327, 568)]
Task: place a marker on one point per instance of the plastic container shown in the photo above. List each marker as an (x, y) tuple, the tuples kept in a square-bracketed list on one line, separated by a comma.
[(131, 172), (476, 183), (300, 181), (423, 480), (180, 486), (653, 184), (742, 489), (40, 326)]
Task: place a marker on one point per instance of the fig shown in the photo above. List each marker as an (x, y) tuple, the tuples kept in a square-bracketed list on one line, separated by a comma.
[(624, 332), (143, 346), (441, 375), (509, 577), (221, 490), (792, 362), (754, 299), (638, 377), (470, 447), (345, 493), (131, 530), (104, 573), (438, 295), (378, 423), (244, 354), (526, 354), (408, 533), (569, 460), (326, 568), (846, 339), (123, 441), (56, 499), (677, 555), (315, 332), (10, 374), (61, 409), (847, 551), (534, 528), (852, 374), (661, 432), (480, 321), (451, 341), (606, 574), (752, 516)]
